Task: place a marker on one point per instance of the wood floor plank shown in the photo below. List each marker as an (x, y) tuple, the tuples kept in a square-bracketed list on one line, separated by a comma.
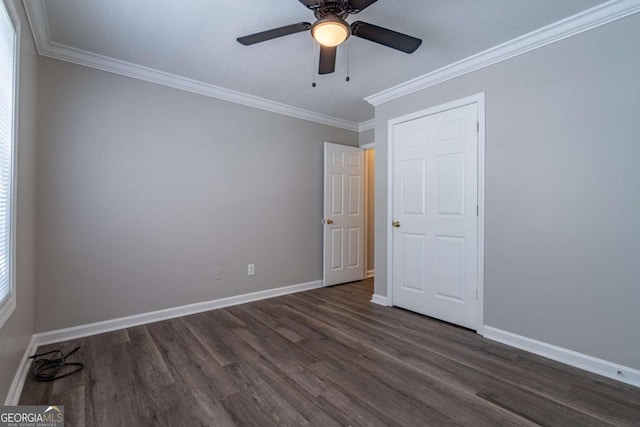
[(74, 415), (396, 408), (190, 363), (462, 408), (541, 411), (352, 411), (552, 380), (326, 357), (291, 358), (297, 394), (262, 394), (200, 326), (198, 383), (102, 388), (268, 340), (438, 367), (293, 367), (245, 412), (274, 323), (393, 371), (336, 354), (297, 385)]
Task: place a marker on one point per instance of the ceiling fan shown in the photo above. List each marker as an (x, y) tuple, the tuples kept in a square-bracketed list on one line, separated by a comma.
[(331, 29)]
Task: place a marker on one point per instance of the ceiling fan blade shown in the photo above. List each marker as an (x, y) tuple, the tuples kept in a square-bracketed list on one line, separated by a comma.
[(274, 33), (385, 37), (359, 5), (327, 59)]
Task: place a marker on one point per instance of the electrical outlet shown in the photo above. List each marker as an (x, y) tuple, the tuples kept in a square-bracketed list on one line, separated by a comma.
[(217, 274), (251, 270)]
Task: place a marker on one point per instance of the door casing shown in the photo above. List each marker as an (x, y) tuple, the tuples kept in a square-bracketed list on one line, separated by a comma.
[(478, 99)]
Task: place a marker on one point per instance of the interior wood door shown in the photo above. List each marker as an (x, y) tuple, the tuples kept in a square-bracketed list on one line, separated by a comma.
[(343, 214), (435, 215)]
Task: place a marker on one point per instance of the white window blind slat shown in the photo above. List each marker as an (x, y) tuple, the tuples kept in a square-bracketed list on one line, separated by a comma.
[(7, 105)]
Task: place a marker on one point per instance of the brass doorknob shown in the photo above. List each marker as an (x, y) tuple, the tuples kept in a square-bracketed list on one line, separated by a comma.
[(329, 221), (396, 224)]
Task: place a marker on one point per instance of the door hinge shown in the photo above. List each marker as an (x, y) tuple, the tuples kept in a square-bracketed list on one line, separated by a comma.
[(478, 127), (477, 294), (477, 210)]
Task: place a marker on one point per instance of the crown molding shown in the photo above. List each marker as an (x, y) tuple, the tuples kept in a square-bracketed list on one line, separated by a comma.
[(369, 124), (568, 27), (36, 14)]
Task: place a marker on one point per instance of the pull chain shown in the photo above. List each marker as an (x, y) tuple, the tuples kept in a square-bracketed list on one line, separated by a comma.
[(348, 45), (313, 70)]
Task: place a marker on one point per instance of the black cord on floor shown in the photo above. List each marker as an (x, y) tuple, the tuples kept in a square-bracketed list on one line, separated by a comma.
[(47, 369)]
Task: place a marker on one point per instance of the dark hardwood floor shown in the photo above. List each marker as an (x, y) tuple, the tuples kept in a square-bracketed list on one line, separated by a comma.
[(326, 357)]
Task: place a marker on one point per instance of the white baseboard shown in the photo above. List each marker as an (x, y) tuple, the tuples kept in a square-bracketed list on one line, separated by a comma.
[(13, 396), (602, 367), (370, 273), (168, 313), (380, 300), (80, 331)]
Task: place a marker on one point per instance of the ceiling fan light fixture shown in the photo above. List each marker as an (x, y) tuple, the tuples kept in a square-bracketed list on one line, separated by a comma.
[(330, 31)]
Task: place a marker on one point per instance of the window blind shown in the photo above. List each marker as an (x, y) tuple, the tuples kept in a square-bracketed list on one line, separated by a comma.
[(7, 105)]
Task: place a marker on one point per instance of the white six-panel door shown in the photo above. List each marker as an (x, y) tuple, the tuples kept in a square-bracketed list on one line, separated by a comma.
[(435, 199), (343, 214)]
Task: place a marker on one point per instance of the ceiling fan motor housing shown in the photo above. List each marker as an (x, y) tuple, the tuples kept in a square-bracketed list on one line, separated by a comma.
[(338, 9)]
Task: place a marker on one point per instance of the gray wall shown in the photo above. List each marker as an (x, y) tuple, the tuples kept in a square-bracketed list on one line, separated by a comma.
[(366, 136), (562, 190), (17, 331), (144, 190)]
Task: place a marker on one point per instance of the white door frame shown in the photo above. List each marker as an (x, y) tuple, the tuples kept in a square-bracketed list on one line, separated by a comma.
[(473, 99)]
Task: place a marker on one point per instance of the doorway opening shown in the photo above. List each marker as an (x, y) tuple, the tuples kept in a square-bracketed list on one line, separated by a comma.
[(369, 208)]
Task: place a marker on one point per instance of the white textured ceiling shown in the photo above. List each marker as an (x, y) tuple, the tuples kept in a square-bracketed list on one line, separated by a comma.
[(196, 39)]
